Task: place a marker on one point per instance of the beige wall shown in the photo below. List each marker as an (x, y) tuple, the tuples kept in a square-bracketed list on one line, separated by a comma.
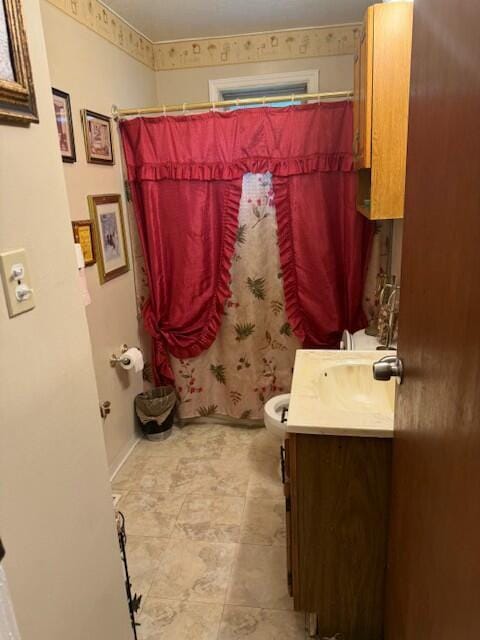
[(56, 517), (97, 74), (191, 85)]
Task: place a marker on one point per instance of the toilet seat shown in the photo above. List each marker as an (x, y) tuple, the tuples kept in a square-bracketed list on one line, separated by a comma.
[(359, 341), (347, 341), (272, 415)]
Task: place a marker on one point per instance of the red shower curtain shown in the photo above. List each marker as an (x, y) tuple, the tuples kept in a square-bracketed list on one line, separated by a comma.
[(185, 176)]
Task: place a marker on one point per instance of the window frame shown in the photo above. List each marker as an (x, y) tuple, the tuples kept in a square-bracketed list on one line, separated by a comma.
[(217, 86)]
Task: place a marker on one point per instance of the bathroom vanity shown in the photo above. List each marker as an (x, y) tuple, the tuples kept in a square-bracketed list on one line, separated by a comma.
[(337, 467)]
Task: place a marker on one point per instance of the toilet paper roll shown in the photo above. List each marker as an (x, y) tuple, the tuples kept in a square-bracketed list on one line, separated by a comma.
[(132, 359)]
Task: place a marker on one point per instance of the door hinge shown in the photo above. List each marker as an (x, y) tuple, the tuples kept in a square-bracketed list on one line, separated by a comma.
[(288, 504)]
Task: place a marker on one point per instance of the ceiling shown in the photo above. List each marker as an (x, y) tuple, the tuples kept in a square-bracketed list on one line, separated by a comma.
[(174, 19)]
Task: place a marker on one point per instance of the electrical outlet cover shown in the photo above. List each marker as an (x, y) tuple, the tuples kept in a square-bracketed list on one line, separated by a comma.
[(10, 284)]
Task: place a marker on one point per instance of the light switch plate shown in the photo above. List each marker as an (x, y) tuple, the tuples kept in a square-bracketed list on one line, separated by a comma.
[(7, 260)]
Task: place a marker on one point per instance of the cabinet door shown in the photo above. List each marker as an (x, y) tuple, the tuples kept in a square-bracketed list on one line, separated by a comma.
[(356, 100), (285, 462), (288, 524), (362, 105), (391, 61)]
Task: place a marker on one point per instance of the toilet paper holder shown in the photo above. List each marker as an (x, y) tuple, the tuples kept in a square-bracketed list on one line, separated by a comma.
[(121, 359)]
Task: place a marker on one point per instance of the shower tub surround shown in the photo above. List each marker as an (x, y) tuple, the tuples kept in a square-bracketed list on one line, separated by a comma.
[(205, 522)]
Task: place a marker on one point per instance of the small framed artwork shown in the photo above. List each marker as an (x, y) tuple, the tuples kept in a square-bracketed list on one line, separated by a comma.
[(98, 137), (17, 94), (63, 117), (111, 244), (83, 234)]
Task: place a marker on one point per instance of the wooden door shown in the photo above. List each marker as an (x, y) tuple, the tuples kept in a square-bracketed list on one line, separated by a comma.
[(362, 101), (433, 578)]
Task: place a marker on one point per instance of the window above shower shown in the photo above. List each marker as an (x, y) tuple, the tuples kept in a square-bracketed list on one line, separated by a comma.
[(262, 86)]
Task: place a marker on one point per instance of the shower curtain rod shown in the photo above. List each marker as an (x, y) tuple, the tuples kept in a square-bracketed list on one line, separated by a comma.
[(197, 106)]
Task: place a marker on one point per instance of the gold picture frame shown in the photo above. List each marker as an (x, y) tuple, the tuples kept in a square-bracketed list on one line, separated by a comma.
[(111, 246), (17, 93), (97, 131), (83, 234)]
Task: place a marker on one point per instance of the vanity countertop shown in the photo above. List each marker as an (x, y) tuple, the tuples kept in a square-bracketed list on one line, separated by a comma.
[(334, 393)]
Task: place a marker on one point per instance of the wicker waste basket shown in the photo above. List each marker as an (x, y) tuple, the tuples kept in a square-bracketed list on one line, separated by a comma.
[(155, 410)]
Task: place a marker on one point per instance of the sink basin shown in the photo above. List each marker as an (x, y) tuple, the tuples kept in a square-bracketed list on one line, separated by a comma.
[(334, 392), (350, 386)]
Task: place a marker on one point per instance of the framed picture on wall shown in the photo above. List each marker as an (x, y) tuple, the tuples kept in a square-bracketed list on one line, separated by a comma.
[(98, 137), (84, 235), (63, 117), (17, 94), (111, 243)]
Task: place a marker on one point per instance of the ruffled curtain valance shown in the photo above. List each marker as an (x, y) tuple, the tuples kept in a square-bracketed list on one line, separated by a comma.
[(226, 145), (185, 174)]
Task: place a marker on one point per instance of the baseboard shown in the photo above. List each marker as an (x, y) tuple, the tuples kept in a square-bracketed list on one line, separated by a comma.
[(122, 457)]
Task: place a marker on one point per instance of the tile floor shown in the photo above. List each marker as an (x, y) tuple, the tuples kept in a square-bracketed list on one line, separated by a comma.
[(205, 523)]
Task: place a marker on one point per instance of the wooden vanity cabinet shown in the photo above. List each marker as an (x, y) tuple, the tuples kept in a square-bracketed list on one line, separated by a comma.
[(337, 493), (380, 108)]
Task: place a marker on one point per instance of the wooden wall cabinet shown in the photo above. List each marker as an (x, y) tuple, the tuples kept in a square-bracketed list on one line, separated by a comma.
[(337, 493), (380, 108)]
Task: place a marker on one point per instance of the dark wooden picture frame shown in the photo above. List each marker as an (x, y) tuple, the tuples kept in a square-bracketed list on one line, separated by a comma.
[(64, 121), (84, 235), (17, 93), (92, 123), (110, 235)]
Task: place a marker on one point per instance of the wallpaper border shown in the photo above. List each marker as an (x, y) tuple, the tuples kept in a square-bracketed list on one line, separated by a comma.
[(257, 47)]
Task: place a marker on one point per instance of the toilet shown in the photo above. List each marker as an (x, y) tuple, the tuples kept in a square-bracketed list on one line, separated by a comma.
[(275, 410), (275, 413), (359, 341)]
